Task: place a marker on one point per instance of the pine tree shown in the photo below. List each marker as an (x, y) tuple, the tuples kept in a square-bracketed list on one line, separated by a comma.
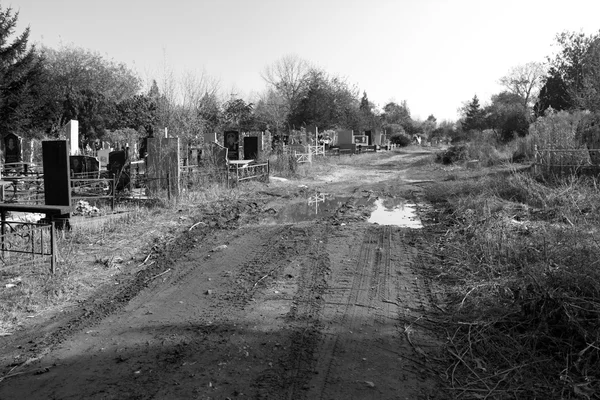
[(474, 116), (20, 78)]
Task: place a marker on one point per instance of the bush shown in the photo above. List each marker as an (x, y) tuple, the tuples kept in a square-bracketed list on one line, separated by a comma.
[(453, 154), (400, 139)]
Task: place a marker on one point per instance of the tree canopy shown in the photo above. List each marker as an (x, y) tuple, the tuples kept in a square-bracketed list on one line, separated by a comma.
[(20, 77)]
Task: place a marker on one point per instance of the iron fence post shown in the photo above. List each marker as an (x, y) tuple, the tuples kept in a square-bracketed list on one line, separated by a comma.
[(52, 248)]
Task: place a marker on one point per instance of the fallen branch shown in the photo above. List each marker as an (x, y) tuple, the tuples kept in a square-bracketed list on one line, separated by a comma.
[(268, 273), (156, 276), (195, 225)]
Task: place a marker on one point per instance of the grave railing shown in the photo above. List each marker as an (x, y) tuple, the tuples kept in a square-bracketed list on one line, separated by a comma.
[(562, 161), (23, 243), (240, 171)]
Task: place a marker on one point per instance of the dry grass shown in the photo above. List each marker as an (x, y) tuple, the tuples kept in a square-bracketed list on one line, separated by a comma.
[(520, 262)]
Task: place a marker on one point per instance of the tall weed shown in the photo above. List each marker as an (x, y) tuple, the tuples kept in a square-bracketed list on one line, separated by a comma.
[(522, 258)]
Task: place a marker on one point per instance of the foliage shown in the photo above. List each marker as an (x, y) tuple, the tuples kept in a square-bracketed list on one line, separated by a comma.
[(396, 118), (238, 114), (473, 116), (327, 102), (507, 115), (20, 78), (367, 114), (553, 94), (556, 129), (573, 80), (138, 112), (453, 154), (400, 139), (482, 147), (85, 86)]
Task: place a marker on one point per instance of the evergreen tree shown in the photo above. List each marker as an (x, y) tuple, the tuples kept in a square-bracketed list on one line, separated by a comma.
[(474, 116), (20, 78)]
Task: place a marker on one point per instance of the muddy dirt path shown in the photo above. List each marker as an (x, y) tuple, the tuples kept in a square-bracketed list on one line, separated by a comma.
[(331, 307)]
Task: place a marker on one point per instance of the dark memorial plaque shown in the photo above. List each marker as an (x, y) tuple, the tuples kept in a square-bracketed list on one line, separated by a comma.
[(232, 142), (117, 161), (57, 180), (12, 149)]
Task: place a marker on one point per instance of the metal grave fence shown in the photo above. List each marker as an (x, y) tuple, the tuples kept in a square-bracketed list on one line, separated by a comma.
[(23, 243)]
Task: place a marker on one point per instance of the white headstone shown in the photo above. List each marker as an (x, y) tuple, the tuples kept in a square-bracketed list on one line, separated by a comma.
[(103, 157), (72, 129)]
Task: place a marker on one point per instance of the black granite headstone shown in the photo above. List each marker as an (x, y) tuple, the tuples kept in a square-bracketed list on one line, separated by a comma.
[(232, 142), (57, 180), (12, 148)]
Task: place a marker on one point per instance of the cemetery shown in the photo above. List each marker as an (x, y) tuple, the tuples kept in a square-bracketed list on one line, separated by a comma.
[(63, 182)]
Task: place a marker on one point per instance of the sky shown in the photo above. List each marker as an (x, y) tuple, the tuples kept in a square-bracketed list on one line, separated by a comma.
[(434, 54)]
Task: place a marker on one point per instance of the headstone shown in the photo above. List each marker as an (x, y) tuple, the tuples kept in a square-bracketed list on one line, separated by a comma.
[(103, 157), (210, 137), (72, 133), (344, 136), (232, 142), (57, 180), (12, 149), (116, 168)]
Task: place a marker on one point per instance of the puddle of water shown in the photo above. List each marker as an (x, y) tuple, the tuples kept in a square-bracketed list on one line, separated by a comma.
[(387, 212), (316, 206), (402, 215)]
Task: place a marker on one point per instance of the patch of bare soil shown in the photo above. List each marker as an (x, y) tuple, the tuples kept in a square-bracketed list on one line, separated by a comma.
[(238, 305)]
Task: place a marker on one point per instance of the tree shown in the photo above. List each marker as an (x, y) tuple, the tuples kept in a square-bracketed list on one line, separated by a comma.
[(525, 81), (20, 78), (576, 70), (138, 112), (553, 94), (238, 114), (328, 102), (368, 119), (396, 118), (474, 116), (429, 125), (83, 85), (271, 110), (507, 115), (289, 77)]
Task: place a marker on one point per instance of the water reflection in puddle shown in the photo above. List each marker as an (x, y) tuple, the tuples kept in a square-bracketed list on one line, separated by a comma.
[(318, 205), (389, 213)]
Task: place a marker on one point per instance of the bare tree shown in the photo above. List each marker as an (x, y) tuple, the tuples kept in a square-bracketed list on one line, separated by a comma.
[(525, 81), (288, 76), (271, 109)]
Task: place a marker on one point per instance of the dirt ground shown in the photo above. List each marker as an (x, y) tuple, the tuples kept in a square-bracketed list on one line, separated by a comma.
[(269, 297)]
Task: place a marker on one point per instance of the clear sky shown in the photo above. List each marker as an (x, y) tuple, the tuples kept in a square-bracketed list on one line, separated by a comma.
[(434, 54)]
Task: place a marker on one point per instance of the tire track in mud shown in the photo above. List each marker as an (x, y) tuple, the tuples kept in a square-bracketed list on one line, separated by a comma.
[(289, 378), (363, 352)]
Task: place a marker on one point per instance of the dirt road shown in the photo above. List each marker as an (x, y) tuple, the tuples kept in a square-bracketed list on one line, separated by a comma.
[(290, 304)]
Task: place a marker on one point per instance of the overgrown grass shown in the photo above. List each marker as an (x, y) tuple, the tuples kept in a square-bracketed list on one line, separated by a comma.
[(521, 262), (90, 255)]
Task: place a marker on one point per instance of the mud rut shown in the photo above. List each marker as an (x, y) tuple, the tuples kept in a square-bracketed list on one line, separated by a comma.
[(305, 311)]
